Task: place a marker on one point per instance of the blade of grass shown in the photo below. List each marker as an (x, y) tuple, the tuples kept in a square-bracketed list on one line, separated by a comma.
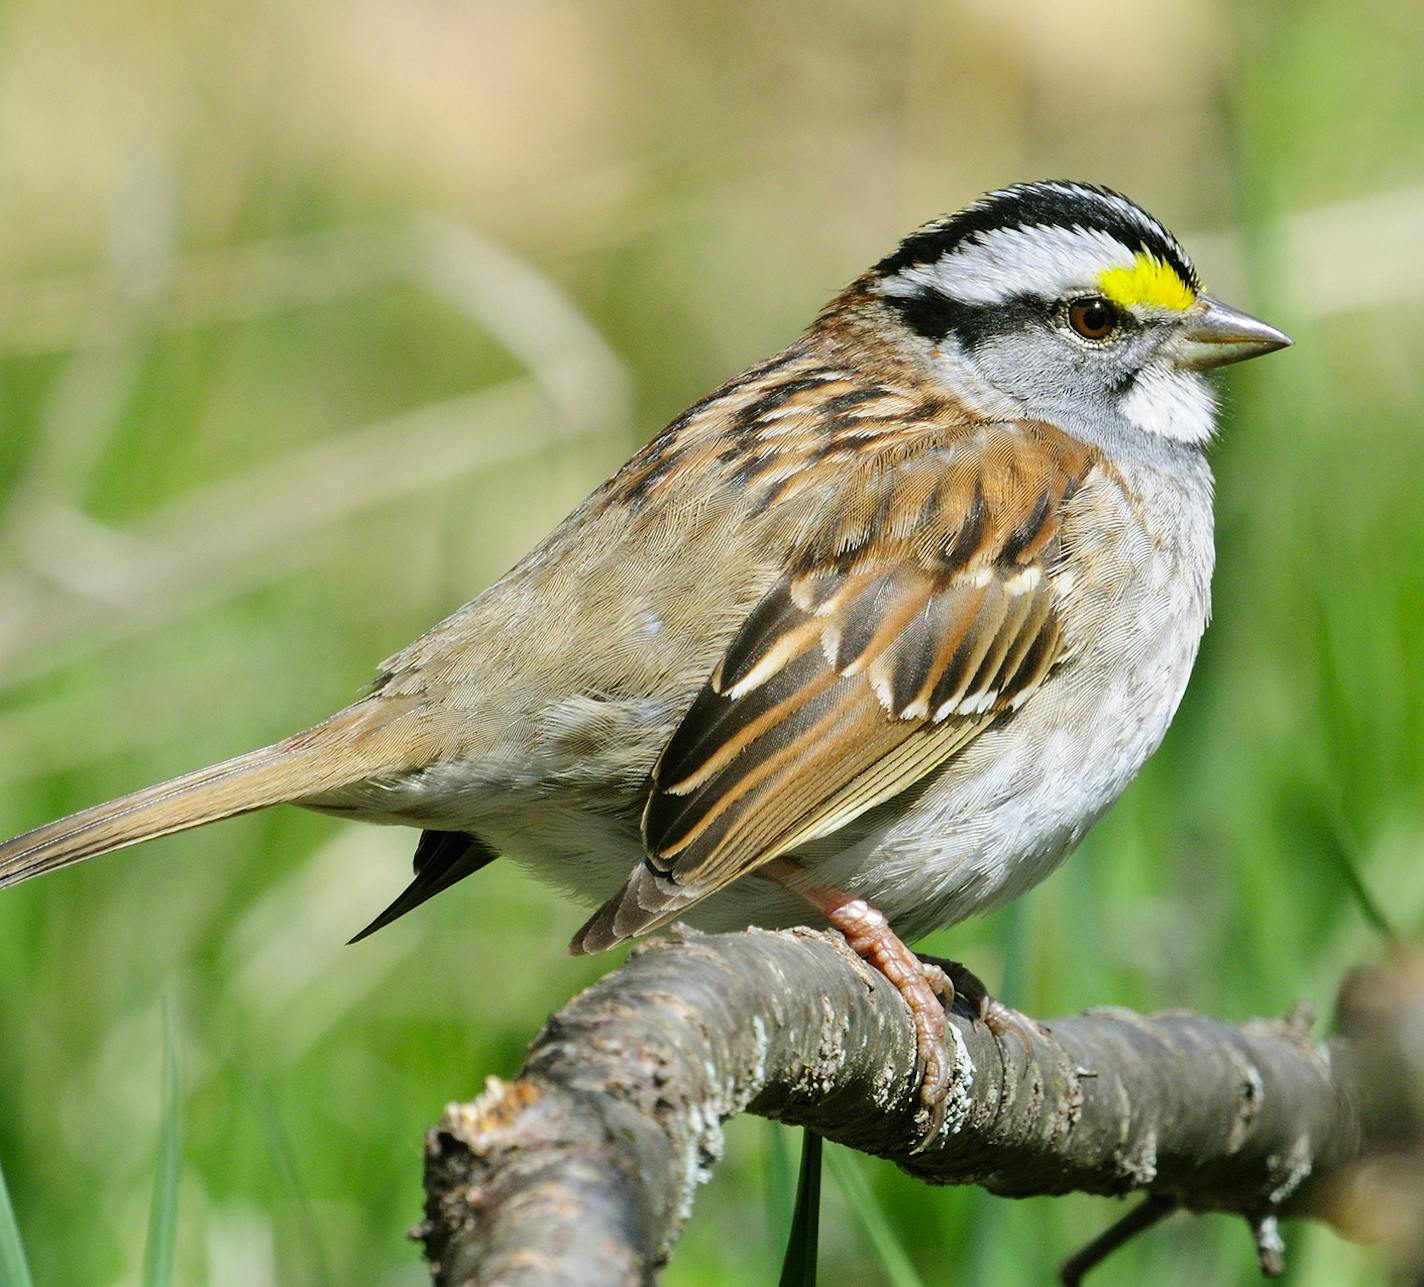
[(280, 1142), (776, 1178), (1346, 853), (163, 1214), (899, 1272), (798, 1269), (14, 1269)]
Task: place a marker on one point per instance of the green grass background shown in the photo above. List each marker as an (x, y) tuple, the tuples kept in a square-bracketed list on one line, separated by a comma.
[(695, 180)]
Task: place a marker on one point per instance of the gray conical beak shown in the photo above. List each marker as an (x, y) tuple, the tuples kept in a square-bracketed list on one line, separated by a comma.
[(1214, 334)]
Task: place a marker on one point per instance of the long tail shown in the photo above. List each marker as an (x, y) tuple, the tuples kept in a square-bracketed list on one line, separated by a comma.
[(344, 749)]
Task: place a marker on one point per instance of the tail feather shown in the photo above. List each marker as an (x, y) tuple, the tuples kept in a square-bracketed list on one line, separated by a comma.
[(321, 759), (647, 901)]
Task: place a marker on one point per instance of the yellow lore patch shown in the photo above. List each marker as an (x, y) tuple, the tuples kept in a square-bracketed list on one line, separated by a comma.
[(1149, 281)]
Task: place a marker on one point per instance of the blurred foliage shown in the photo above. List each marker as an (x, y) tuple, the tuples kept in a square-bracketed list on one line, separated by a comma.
[(220, 378)]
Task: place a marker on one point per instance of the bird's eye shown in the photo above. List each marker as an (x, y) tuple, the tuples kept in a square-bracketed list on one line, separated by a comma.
[(1093, 317)]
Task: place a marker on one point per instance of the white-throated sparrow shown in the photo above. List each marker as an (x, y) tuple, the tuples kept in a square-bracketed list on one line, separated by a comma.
[(883, 624)]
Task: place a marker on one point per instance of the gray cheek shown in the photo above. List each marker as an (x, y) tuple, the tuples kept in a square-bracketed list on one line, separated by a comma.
[(1043, 371)]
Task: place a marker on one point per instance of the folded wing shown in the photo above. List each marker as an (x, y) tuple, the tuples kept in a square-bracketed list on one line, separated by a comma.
[(921, 611)]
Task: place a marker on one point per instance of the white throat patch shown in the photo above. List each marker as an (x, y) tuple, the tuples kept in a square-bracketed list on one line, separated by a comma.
[(1171, 404)]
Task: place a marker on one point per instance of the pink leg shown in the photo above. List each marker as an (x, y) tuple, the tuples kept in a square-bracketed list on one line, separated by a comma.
[(920, 984)]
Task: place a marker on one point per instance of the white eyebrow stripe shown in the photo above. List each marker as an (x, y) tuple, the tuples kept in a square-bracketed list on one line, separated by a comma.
[(1044, 260)]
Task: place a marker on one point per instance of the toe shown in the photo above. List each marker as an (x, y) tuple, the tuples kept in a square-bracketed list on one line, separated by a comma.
[(940, 982)]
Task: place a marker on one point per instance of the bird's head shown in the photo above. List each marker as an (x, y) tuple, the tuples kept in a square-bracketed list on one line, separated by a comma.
[(1065, 302)]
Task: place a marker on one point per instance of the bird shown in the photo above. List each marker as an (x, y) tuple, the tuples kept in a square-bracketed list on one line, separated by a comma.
[(868, 637)]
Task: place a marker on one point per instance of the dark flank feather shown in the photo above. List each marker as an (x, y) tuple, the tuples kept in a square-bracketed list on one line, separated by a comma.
[(441, 859)]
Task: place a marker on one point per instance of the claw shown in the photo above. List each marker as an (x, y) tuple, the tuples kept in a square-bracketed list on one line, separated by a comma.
[(967, 990), (1004, 1022)]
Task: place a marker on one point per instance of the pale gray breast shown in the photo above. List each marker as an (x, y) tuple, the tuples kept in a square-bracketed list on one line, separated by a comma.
[(1136, 582)]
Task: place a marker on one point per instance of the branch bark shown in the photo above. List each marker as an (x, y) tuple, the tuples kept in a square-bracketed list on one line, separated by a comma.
[(583, 1169)]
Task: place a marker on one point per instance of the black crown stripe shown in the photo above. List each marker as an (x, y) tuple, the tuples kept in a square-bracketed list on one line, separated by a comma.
[(1059, 203)]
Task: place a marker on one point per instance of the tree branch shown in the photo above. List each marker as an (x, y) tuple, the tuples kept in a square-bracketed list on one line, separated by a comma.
[(583, 1169)]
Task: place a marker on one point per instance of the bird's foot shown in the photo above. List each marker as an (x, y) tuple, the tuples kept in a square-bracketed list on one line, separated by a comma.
[(966, 990), (869, 936)]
